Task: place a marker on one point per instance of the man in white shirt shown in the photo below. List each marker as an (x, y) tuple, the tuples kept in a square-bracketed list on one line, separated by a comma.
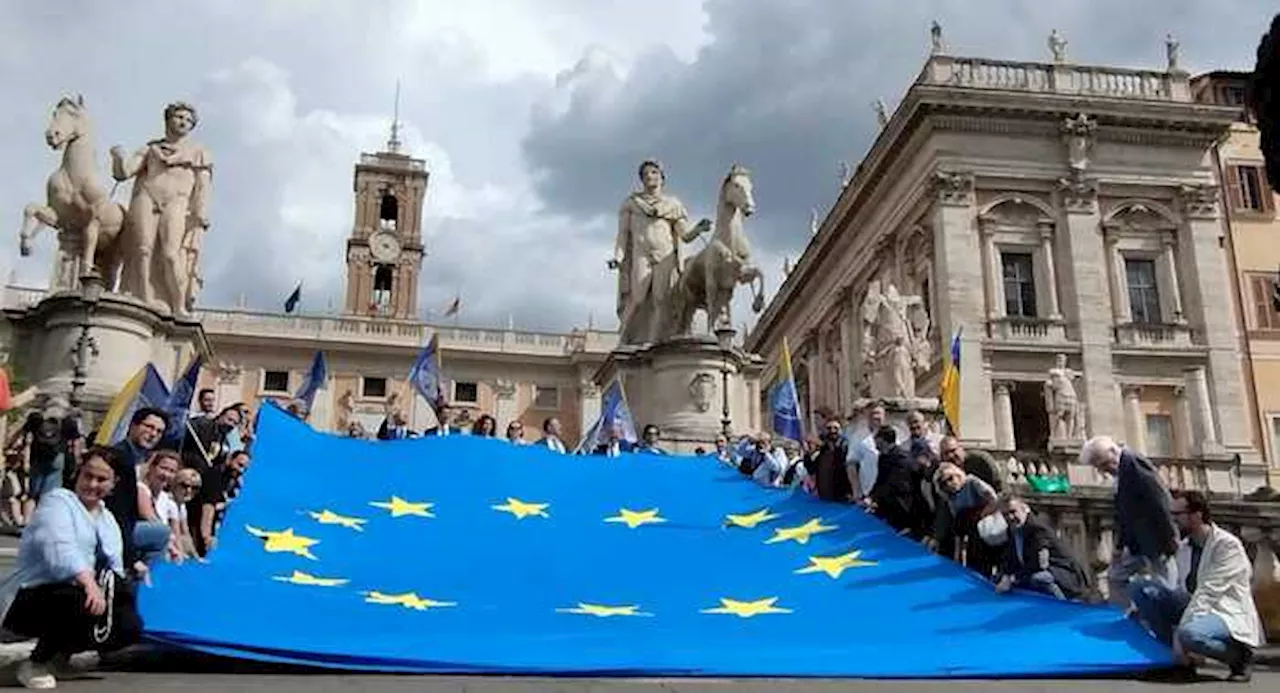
[(863, 461), (1210, 613), (551, 436), (765, 463)]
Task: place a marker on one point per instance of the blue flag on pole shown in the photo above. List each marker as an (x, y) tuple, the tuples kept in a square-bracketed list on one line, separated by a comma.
[(145, 389), (613, 412), (315, 380), (784, 402), (178, 405), (425, 373), (634, 565)]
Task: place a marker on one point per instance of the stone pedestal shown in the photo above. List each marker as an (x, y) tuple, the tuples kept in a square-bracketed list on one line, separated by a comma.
[(896, 410), (124, 335), (679, 386)]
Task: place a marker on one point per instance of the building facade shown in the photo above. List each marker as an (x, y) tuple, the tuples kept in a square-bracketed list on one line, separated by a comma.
[(371, 345), (1060, 218), (1249, 205)]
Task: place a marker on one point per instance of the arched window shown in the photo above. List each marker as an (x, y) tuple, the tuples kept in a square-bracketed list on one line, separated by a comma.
[(388, 211), (383, 279)]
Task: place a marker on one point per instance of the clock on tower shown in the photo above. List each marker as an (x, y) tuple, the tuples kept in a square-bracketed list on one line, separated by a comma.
[(384, 251)]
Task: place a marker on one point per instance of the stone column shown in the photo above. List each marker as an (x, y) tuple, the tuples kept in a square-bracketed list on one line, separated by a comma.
[(992, 273), (1135, 427), (1210, 281), (506, 410), (588, 405), (1005, 439), (1053, 311), (1184, 430), (1116, 278), (1204, 432), (845, 358), (1170, 260), (1087, 271), (960, 278)]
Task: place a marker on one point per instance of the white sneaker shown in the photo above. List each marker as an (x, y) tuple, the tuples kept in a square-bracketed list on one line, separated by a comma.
[(35, 676)]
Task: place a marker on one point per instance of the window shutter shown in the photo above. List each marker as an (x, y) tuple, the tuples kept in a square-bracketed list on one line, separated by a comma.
[(1260, 286), (1234, 195), (1268, 195)]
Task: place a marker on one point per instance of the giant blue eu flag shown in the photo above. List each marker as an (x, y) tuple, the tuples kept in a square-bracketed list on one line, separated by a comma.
[(384, 555)]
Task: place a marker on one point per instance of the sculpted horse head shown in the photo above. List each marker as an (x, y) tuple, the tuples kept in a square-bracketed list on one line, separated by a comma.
[(67, 123)]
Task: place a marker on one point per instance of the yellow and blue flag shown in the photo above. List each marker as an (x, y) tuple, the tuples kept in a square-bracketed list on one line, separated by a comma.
[(461, 554), (949, 392), (784, 401)]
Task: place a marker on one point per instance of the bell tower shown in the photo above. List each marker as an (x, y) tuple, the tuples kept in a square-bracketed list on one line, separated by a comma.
[(384, 250)]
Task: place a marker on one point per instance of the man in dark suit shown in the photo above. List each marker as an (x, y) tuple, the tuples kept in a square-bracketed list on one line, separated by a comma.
[(1146, 538), (551, 436), (895, 497), (614, 443), (1035, 558), (444, 427), (146, 428), (827, 467)]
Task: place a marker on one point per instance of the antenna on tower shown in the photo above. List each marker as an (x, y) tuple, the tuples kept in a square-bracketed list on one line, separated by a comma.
[(393, 143)]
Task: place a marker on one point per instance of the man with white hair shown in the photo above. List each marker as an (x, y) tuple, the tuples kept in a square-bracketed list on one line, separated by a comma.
[(1146, 538)]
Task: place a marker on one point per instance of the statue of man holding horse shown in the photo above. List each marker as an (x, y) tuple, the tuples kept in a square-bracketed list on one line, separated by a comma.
[(652, 225), (168, 214)]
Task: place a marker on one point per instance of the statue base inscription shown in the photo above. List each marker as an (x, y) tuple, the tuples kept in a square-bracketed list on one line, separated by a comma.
[(678, 385), (111, 338)]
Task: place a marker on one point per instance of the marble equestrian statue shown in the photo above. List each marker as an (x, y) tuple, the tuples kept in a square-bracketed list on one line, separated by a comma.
[(1062, 402), (710, 277), (77, 205), (895, 341), (169, 213), (652, 225)]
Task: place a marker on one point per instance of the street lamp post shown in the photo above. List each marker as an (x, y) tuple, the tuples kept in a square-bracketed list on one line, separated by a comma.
[(91, 287), (724, 336)]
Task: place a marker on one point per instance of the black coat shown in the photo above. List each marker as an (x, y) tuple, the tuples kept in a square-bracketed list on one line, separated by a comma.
[(897, 490), (828, 470), (1144, 522), (1037, 536)]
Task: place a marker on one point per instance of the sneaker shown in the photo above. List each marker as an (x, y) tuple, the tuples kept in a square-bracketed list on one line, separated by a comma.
[(63, 670), (35, 676)]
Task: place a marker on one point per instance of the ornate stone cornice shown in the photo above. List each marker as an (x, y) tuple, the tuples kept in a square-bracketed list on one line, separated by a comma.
[(1200, 201), (229, 372), (954, 188), (1079, 195)]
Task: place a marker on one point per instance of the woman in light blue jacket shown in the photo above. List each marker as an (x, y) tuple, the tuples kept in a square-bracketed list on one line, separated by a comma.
[(54, 594)]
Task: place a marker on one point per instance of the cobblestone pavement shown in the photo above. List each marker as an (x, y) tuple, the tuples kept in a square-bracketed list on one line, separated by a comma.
[(191, 674)]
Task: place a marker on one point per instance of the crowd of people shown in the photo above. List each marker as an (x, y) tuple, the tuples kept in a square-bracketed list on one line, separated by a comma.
[(97, 517)]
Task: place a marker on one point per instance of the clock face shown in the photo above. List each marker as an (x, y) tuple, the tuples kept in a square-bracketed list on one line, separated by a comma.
[(384, 246)]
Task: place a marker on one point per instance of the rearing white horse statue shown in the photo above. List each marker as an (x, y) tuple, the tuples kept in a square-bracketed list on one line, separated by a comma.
[(710, 277), (77, 205)]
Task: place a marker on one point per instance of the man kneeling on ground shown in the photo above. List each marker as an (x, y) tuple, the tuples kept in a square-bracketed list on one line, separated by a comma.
[(1210, 613), (1035, 558)]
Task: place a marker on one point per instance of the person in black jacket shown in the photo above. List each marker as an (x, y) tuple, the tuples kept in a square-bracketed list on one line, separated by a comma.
[(146, 428), (895, 498), (1035, 558), (1146, 536), (827, 468)]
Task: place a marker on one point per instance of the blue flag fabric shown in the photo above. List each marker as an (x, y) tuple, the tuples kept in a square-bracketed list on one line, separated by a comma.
[(425, 373), (613, 412), (315, 380), (636, 565), (178, 405)]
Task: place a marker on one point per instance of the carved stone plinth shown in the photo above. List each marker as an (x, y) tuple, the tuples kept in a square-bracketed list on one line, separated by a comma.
[(123, 335), (896, 410), (677, 384)]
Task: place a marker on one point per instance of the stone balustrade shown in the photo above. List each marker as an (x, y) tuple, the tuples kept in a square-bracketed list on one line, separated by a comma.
[(384, 161), (1141, 335), (368, 330), (1056, 78), (1028, 330), (1213, 475)]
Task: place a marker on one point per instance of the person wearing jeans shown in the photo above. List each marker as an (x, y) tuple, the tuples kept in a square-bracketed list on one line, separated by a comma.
[(1210, 613)]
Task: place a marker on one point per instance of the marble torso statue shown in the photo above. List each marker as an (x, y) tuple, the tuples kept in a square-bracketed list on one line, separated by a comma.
[(1062, 402), (895, 341)]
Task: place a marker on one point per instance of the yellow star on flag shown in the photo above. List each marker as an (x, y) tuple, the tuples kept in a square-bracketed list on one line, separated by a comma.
[(328, 517), (834, 565), (522, 509), (284, 542), (635, 518), (301, 578), (603, 611), (409, 600), (801, 533), (748, 609), (400, 507), (750, 520)]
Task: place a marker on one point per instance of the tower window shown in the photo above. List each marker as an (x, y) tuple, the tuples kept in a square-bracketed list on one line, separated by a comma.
[(383, 279), (388, 211)]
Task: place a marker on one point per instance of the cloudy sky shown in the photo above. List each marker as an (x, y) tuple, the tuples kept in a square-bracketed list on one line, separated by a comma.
[(531, 115)]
